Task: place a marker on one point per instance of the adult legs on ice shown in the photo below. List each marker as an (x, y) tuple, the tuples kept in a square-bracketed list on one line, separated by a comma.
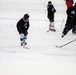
[(51, 26)]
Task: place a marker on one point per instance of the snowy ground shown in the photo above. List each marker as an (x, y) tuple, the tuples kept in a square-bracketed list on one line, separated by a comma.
[(43, 58)]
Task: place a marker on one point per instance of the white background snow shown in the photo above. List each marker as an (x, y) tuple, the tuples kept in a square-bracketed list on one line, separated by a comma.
[(43, 58)]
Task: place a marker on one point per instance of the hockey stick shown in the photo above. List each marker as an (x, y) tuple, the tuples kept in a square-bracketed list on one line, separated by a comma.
[(65, 44), (62, 22)]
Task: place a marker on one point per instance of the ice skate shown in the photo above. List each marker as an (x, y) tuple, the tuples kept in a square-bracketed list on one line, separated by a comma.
[(21, 43), (24, 43), (53, 30), (63, 35)]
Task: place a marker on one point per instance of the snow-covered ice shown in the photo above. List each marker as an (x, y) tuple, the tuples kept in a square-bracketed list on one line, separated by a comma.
[(43, 58)]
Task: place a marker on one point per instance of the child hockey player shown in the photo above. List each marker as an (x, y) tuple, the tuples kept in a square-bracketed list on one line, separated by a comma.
[(22, 27), (51, 11)]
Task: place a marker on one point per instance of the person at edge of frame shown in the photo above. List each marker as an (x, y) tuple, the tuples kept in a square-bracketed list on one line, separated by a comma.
[(72, 23)]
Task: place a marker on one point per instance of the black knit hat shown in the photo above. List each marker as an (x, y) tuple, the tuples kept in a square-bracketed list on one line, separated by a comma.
[(49, 2), (26, 16)]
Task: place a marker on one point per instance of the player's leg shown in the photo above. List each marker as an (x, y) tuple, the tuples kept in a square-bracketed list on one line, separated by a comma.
[(52, 26), (22, 38)]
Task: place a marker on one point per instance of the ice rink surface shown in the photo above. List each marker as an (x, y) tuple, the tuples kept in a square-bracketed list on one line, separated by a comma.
[(43, 58)]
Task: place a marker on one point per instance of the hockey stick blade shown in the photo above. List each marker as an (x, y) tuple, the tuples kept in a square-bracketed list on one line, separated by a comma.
[(58, 46)]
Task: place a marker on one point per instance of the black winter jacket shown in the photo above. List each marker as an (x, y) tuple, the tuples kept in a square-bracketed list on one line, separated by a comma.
[(22, 26), (71, 11), (51, 10)]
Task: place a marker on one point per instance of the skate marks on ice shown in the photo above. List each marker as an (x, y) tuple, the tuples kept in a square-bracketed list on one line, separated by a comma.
[(14, 49)]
